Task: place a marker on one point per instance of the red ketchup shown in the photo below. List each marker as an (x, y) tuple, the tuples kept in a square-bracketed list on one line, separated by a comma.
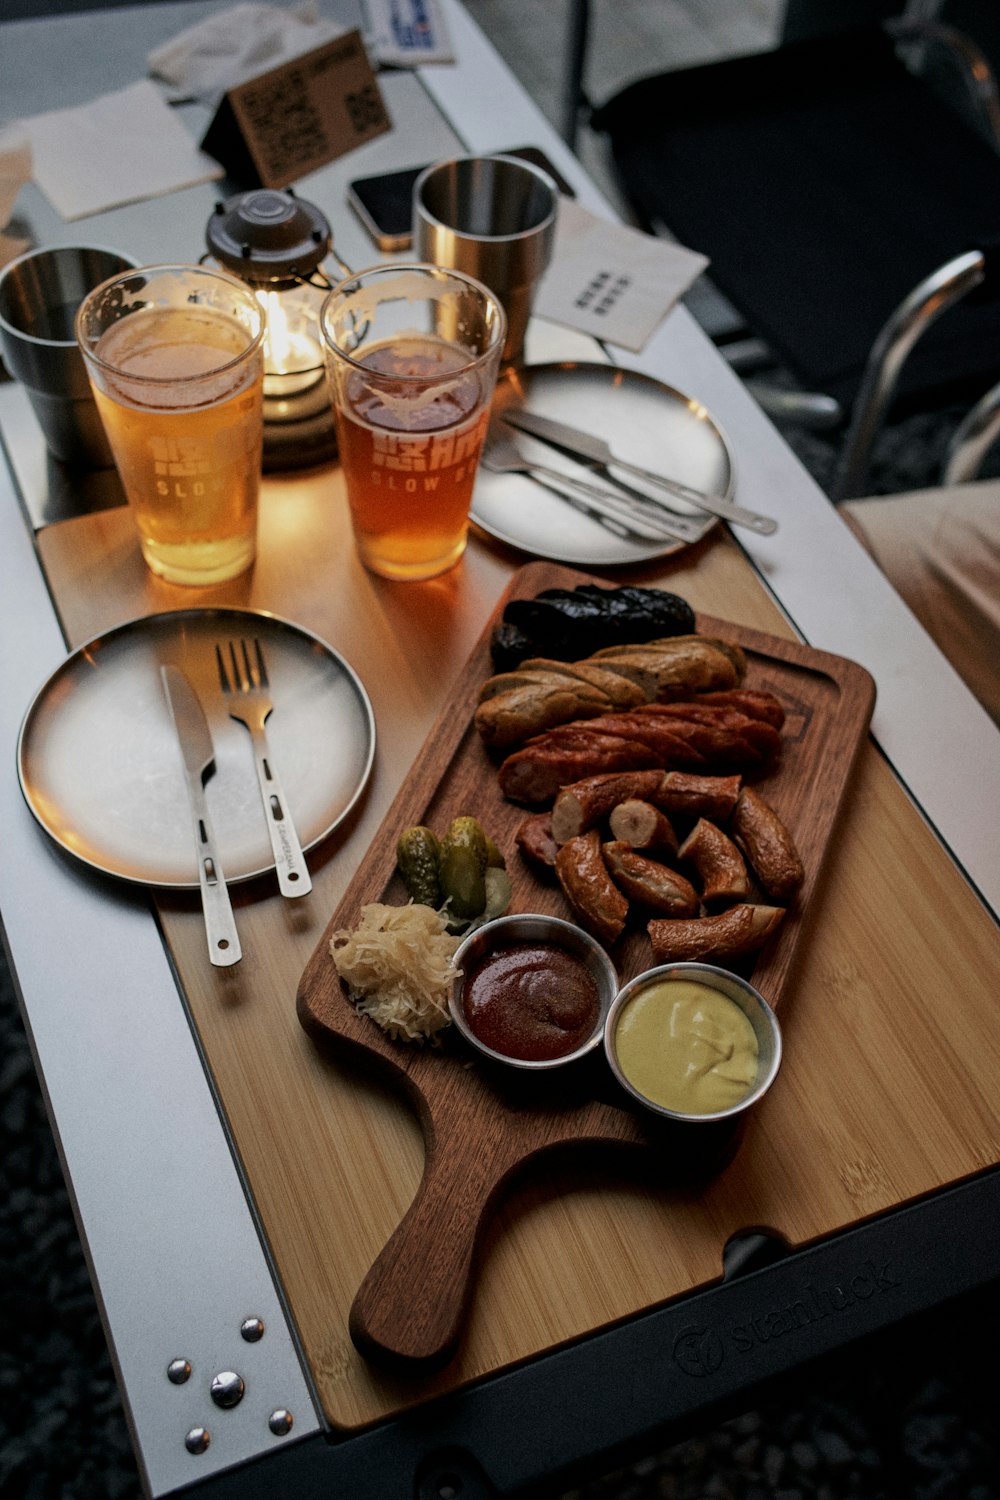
[(534, 1001)]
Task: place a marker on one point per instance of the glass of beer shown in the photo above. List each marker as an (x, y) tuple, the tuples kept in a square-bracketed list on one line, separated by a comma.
[(412, 353), (174, 356)]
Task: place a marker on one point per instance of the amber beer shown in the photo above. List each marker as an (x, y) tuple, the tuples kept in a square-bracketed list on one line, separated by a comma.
[(410, 472), (412, 407), (179, 393)]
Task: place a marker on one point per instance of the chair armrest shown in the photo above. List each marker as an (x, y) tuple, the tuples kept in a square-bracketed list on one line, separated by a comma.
[(971, 62), (972, 439)]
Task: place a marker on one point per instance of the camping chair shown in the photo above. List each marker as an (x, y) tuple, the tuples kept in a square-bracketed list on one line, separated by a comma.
[(847, 208)]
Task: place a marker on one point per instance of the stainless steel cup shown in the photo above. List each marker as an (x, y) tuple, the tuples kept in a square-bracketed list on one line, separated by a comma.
[(493, 217), (39, 295)]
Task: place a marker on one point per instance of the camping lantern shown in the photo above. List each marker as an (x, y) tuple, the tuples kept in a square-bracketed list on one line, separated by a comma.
[(278, 244)]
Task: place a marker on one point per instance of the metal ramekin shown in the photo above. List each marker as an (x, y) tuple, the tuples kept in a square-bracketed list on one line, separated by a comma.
[(506, 932), (750, 1001)]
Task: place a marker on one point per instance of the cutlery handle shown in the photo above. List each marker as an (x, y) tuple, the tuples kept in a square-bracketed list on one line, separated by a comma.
[(620, 508), (220, 924), (715, 505), (293, 873)]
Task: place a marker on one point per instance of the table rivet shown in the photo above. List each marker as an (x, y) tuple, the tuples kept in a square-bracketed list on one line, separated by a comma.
[(227, 1389), (252, 1329), (178, 1371), (280, 1422), (197, 1440)]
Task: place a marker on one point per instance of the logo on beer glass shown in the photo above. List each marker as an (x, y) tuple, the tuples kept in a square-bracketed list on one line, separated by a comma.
[(428, 454), (187, 467)]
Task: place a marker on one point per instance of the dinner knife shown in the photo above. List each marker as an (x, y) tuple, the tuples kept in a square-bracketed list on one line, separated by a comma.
[(594, 449), (195, 742)]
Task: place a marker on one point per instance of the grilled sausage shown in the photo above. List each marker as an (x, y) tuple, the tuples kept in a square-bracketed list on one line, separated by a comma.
[(648, 883), (718, 863), (520, 711), (768, 845), (752, 738), (583, 804), (536, 774), (596, 901), (718, 939), (757, 703), (535, 841), (681, 794), (642, 826)]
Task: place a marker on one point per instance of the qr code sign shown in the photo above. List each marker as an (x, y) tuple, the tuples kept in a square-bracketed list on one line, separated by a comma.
[(313, 109), (288, 129)]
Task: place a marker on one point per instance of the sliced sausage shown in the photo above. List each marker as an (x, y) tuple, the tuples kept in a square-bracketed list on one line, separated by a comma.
[(584, 804), (515, 714), (649, 883), (535, 841), (718, 939), (596, 901), (682, 794), (718, 863), (642, 826), (768, 845), (536, 774), (758, 703), (763, 739)]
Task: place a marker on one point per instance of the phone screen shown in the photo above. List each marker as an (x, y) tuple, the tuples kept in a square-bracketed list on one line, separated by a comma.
[(384, 202)]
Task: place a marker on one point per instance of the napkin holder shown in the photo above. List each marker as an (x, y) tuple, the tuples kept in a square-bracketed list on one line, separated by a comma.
[(273, 129)]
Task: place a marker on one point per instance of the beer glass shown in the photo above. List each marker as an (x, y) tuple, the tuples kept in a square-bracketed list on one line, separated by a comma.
[(174, 356), (412, 354)]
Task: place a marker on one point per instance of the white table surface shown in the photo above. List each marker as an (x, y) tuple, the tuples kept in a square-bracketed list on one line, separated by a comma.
[(175, 1255)]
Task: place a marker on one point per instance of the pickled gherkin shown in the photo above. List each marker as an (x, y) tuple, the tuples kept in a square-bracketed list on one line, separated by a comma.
[(464, 858), (418, 855)]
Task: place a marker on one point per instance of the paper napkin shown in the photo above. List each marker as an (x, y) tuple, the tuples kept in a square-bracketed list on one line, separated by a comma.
[(611, 281), (208, 59), (120, 148)]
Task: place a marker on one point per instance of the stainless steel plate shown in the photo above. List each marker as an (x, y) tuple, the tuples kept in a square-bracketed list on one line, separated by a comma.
[(101, 769), (643, 420)]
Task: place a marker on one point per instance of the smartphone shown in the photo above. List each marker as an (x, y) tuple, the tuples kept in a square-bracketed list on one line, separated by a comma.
[(384, 202)]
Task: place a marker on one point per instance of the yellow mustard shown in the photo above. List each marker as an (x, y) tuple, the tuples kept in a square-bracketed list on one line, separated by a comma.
[(686, 1047)]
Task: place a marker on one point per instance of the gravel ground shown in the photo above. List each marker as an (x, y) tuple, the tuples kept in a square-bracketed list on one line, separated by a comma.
[(911, 1416)]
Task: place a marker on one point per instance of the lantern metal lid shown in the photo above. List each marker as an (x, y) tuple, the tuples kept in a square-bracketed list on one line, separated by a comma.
[(270, 237), (277, 244)]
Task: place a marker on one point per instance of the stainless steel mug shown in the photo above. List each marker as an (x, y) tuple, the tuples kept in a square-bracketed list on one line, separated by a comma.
[(39, 295), (493, 217)]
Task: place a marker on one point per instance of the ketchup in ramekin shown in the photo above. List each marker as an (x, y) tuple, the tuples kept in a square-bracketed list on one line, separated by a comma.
[(532, 1000), (534, 991)]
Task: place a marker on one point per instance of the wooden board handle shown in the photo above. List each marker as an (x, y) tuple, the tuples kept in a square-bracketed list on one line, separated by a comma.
[(411, 1305)]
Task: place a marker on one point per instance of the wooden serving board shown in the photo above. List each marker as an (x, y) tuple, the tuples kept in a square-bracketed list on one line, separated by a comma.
[(481, 1125)]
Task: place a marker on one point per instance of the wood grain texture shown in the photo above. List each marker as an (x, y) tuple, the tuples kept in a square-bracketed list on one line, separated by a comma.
[(892, 1051), (483, 1125)]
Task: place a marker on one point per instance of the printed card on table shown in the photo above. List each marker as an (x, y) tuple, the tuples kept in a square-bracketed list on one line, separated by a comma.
[(611, 281), (275, 128)]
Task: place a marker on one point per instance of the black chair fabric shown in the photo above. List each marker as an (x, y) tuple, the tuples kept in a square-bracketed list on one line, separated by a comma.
[(824, 181)]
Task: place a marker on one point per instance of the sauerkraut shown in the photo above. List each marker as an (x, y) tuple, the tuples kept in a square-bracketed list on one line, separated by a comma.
[(398, 965)]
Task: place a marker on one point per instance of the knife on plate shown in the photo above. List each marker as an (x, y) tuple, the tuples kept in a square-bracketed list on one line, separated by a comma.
[(595, 450), (198, 751)]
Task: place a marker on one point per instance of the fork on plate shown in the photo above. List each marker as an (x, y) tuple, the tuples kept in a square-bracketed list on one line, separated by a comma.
[(625, 515), (243, 679)]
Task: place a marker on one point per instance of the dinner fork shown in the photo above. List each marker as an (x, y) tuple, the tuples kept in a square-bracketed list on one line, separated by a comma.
[(618, 512), (245, 683)]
